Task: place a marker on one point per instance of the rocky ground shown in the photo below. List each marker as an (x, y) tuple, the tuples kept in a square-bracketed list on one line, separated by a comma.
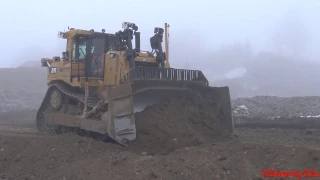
[(277, 112), (26, 154), (269, 106), (182, 144)]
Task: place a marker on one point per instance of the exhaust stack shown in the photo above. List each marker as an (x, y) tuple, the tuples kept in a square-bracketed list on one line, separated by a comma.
[(137, 41)]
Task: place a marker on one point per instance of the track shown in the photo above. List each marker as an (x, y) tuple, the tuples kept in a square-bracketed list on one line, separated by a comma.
[(71, 103), (76, 96)]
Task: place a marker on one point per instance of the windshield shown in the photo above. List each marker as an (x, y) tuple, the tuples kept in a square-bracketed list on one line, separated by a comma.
[(98, 46), (97, 52)]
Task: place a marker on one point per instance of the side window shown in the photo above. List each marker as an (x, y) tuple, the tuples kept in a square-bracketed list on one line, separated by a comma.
[(79, 48), (82, 50)]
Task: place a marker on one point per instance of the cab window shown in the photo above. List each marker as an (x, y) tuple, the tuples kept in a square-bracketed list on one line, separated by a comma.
[(79, 48)]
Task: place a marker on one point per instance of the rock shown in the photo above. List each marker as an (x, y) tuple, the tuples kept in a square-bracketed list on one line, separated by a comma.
[(257, 178), (222, 158), (308, 132), (224, 168), (154, 174)]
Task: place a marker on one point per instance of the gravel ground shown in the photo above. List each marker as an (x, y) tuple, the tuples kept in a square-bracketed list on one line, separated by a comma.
[(26, 154), (269, 106)]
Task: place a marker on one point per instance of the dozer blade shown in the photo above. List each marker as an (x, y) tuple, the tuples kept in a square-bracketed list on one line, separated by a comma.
[(128, 98), (150, 85), (121, 123), (148, 92)]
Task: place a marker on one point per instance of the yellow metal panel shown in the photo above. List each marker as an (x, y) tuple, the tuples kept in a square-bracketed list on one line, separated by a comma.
[(109, 70), (114, 64), (92, 81)]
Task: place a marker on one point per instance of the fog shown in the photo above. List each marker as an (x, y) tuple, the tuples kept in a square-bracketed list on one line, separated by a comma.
[(267, 39)]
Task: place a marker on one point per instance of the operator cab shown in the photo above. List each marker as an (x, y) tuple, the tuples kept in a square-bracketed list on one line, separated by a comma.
[(86, 49), (89, 48)]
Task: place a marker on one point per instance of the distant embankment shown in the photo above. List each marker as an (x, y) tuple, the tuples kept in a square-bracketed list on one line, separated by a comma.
[(21, 88)]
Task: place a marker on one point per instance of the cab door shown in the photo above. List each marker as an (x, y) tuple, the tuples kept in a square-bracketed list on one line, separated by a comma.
[(95, 56)]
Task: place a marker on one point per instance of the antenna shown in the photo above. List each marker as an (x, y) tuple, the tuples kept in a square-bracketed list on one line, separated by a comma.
[(166, 33)]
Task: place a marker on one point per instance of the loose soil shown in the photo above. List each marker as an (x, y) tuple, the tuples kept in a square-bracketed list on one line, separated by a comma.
[(187, 144), (177, 123)]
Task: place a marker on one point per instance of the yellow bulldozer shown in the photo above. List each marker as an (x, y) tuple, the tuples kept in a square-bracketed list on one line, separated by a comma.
[(101, 81)]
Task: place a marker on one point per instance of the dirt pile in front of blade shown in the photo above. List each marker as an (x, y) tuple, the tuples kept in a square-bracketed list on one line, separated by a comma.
[(175, 123)]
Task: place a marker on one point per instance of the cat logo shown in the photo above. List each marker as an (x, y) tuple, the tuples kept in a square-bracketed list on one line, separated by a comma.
[(53, 70)]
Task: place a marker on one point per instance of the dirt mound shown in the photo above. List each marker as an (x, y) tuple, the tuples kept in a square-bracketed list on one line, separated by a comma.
[(177, 123)]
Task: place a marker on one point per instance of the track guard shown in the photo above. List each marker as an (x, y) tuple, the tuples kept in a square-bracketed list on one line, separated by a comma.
[(121, 122)]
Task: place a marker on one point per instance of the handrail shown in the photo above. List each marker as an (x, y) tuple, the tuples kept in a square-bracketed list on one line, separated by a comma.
[(77, 70)]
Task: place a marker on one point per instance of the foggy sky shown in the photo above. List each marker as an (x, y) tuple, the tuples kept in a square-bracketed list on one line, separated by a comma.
[(29, 28)]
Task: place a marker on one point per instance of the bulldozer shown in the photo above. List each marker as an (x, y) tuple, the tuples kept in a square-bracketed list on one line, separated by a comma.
[(101, 81)]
